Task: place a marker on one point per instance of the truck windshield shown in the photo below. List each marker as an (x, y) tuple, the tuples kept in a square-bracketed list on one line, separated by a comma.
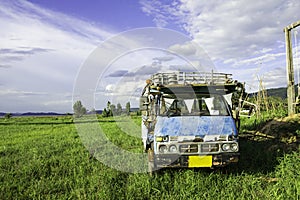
[(213, 105)]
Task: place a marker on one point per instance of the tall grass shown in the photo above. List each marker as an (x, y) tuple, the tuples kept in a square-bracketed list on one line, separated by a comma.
[(43, 158), (277, 110)]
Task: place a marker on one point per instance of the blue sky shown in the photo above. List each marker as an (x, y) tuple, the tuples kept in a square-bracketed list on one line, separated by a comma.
[(116, 14), (43, 44)]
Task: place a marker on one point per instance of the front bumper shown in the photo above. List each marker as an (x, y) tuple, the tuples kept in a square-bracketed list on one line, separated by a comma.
[(195, 161)]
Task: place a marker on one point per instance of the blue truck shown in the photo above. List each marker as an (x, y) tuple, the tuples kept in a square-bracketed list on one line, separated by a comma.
[(190, 119)]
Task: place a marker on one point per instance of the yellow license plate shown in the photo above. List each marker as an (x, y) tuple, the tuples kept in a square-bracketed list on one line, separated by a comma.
[(200, 161)]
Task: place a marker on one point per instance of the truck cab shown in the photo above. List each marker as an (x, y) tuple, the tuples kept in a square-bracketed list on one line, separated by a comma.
[(187, 120)]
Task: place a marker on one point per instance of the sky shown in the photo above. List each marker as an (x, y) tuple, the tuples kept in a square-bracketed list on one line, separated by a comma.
[(45, 46)]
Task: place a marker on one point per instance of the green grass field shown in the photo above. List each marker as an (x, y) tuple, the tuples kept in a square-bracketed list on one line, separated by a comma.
[(44, 158)]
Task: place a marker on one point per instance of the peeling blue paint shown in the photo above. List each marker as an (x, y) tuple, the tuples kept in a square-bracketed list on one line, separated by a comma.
[(195, 125)]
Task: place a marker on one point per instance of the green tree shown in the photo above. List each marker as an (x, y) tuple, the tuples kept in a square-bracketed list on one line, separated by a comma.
[(119, 109), (108, 105), (8, 115), (104, 113), (112, 110), (128, 108), (79, 109), (108, 109)]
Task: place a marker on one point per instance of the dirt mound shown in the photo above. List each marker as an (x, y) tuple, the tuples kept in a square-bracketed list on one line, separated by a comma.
[(286, 130), (288, 127)]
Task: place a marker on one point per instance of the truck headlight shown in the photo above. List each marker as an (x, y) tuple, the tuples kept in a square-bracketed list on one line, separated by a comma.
[(226, 147), (162, 138), (159, 139), (173, 149), (234, 147), (163, 149)]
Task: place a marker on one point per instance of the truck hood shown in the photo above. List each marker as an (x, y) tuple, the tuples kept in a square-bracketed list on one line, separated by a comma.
[(195, 126)]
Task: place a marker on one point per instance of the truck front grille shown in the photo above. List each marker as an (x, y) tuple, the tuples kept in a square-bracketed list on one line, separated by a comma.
[(202, 148), (188, 148), (209, 148)]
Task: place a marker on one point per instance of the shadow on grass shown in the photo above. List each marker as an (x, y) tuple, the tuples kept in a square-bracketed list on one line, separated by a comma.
[(257, 156), (260, 156)]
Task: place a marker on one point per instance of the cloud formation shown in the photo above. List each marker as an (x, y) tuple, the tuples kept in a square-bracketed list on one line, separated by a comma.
[(17, 54), (41, 50), (234, 33)]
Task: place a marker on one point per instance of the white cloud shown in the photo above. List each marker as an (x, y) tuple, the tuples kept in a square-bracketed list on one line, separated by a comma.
[(42, 50), (235, 33), (275, 77), (110, 87), (261, 59), (7, 92), (231, 28), (162, 12), (186, 49), (57, 103), (15, 100), (163, 58), (125, 78)]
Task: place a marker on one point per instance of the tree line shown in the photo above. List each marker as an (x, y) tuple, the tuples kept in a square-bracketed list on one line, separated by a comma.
[(110, 110)]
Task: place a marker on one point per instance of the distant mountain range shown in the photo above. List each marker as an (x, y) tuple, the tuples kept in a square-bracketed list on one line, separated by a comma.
[(2, 114), (33, 114), (277, 92)]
